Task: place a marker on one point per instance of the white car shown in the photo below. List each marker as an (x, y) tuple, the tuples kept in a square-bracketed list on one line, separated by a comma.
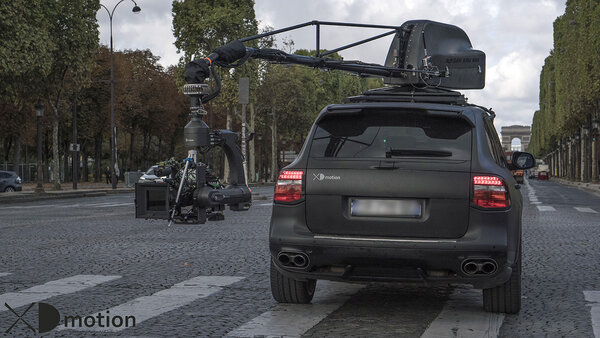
[(149, 176)]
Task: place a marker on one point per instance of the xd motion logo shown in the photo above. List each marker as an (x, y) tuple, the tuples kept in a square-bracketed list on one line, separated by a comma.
[(321, 177), (48, 317)]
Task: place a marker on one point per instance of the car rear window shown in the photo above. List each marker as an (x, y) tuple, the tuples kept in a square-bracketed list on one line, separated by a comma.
[(393, 135)]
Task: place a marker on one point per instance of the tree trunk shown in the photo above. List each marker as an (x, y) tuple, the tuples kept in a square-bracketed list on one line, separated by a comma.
[(251, 154), (17, 155), (98, 159), (84, 167), (274, 154), (131, 142), (56, 152), (7, 146), (66, 166)]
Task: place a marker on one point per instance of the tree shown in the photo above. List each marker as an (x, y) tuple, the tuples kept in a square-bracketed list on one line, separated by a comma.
[(25, 56), (75, 31), (570, 78)]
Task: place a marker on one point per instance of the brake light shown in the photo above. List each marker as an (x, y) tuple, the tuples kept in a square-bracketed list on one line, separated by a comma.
[(490, 192), (289, 186)]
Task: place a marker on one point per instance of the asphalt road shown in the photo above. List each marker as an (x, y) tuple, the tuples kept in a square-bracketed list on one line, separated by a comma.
[(90, 256)]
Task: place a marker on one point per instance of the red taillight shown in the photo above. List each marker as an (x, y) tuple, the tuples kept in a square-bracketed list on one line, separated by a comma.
[(490, 192), (289, 186)]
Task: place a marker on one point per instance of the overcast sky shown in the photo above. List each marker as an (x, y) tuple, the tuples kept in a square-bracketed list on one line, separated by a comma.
[(516, 36)]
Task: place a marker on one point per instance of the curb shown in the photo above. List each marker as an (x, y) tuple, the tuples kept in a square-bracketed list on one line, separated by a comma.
[(33, 197), (592, 187)]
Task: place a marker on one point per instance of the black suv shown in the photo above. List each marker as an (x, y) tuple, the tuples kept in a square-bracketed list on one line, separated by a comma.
[(400, 184), (9, 181)]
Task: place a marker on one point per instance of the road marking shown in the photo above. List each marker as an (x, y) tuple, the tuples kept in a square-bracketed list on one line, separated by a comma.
[(535, 202), (264, 204), (53, 288), (463, 316), (594, 298), (293, 320), (100, 204), (2, 274), (533, 199), (112, 205), (146, 307), (582, 209), (545, 208)]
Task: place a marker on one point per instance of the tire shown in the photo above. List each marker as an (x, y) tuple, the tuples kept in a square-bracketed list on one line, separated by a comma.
[(288, 290), (9, 189), (505, 298)]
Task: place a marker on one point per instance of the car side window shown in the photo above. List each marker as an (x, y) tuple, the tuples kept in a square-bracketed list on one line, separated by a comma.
[(492, 137)]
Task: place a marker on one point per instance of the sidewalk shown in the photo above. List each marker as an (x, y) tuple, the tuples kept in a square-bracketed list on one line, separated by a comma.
[(84, 189), (593, 187)]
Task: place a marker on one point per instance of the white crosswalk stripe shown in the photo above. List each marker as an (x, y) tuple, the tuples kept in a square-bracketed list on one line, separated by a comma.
[(593, 297), (113, 205), (589, 210), (53, 288), (146, 307), (2, 274), (463, 316), (545, 208), (292, 320)]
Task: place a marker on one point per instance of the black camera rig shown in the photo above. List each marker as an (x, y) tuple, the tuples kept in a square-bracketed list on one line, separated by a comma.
[(423, 54)]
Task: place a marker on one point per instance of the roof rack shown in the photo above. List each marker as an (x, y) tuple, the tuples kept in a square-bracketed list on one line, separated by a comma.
[(409, 94)]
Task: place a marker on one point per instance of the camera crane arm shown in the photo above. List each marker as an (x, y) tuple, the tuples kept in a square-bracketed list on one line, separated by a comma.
[(235, 53)]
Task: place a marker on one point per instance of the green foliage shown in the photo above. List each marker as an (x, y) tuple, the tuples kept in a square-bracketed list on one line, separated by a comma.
[(200, 26), (25, 43), (299, 93), (570, 78)]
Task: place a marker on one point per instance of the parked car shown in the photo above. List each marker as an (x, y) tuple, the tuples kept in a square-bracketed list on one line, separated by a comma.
[(10, 181), (150, 175), (543, 175), (533, 173), (400, 185)]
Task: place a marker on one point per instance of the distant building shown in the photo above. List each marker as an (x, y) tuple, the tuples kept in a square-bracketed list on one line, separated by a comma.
[(509, 133)]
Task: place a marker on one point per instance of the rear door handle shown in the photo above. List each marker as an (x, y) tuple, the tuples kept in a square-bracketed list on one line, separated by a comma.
[(386, 165)]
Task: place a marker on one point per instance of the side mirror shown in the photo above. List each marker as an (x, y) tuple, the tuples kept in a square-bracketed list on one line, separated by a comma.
[(521, 160)]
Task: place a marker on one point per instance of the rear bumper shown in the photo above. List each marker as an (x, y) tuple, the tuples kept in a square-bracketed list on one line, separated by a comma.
[(353, 258)]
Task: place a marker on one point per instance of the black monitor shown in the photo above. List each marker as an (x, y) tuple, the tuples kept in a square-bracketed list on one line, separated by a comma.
[(152, 200)]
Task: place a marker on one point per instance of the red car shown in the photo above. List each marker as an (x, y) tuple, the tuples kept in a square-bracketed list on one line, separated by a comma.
[(543, 175)]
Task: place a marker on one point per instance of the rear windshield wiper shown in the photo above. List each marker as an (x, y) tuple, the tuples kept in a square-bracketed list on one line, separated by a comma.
[(416, 152)]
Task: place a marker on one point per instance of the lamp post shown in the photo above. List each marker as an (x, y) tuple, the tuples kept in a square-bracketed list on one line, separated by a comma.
[(113, 138), (39, 112), (260, 161)]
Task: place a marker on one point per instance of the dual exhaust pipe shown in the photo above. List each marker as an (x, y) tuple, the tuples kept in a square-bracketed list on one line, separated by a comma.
[(484, 266), (293, 259)]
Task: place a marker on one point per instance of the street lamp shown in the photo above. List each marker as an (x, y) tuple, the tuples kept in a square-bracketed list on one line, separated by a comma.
[(39, 112), (113, 139)]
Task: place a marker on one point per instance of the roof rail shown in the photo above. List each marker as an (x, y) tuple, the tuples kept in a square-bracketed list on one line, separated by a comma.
[(409, 94)]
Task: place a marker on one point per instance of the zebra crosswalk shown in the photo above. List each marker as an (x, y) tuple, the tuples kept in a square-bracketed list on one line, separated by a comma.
[(52, 289), (146, 307), (461, 316), (578, 209)]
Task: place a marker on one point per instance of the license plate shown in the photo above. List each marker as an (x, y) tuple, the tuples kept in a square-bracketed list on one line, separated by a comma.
[(385, 208)]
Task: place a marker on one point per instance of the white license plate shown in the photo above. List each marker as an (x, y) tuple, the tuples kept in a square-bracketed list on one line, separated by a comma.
[(385, 208)]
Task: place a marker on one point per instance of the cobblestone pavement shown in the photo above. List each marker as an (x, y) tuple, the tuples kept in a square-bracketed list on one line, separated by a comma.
[(90, 256)]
